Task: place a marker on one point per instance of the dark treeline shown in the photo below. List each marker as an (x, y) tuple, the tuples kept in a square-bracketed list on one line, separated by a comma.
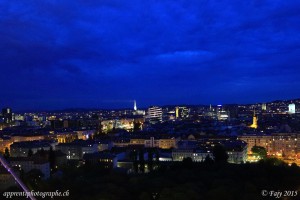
[(179, 180)]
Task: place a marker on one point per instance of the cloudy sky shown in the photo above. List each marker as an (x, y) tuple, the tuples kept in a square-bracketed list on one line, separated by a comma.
[(84, 53)]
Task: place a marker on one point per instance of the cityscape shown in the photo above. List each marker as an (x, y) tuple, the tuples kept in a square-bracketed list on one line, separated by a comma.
[(144, 140), (150, 100)]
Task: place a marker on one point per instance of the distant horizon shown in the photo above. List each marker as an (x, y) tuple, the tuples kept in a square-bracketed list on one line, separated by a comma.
[(139, 107)]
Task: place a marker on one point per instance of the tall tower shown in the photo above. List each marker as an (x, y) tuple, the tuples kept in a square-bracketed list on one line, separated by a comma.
[(177, 112), (134, 105), (254, 123)]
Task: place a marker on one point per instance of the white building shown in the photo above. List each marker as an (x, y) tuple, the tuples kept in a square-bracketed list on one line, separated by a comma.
[(292, 108), (155, 114), (197, 155)]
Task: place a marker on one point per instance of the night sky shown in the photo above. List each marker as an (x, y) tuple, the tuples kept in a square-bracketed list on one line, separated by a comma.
[(102, 54)]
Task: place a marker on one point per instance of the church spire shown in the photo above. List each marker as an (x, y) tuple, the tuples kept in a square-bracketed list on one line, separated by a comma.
[(134, 105)]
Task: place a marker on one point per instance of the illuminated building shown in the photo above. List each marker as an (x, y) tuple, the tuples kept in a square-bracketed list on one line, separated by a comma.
[(283, 145), (23, 138), (137, 141), (292, 108), (121, 142), (197, 155), (181, 112), (66, 137), (167, 143), (126, 124), (256, 140), (101, 159), (254, 121), (223, 115), (162, 143), (5, 143), (104, 145), (264, 107), (236, 150), (276, 144), (154, 114)]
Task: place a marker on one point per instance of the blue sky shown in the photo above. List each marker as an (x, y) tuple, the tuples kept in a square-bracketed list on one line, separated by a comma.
[(85, 53)]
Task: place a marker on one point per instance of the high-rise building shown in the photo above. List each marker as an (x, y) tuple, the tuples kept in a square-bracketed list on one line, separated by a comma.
[(292, 108), (154, 114), (182, 112), (7, 115), (264, 107)]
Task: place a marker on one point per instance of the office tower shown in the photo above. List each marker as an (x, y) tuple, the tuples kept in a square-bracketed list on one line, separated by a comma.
[(154, 114), (182, 112), (264, 107), (292, 108)]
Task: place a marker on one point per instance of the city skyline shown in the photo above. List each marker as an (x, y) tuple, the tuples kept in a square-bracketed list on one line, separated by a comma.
[(135, 106), (88, 54)]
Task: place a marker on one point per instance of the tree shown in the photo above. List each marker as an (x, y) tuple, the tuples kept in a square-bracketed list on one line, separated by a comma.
[(142, 161), (260, 152), (220, 154), (150, 159), (51, 158), (273, 161), (187, 163), (137, 126), (133, 158), (30, 153), (42, 152), (6, 154), (34, 177), (157, 157), (208, 160)]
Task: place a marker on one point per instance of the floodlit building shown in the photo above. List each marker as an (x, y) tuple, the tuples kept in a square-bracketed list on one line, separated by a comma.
[(101, 159), (125, 123), (197, 155), (151, 142), (236, 150), (155, 114), (292, 108), (182, 112), (277, 144), (254, 121), (264, 106)]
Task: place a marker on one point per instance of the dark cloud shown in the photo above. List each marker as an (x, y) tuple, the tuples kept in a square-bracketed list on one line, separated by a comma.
[(57, 54)]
